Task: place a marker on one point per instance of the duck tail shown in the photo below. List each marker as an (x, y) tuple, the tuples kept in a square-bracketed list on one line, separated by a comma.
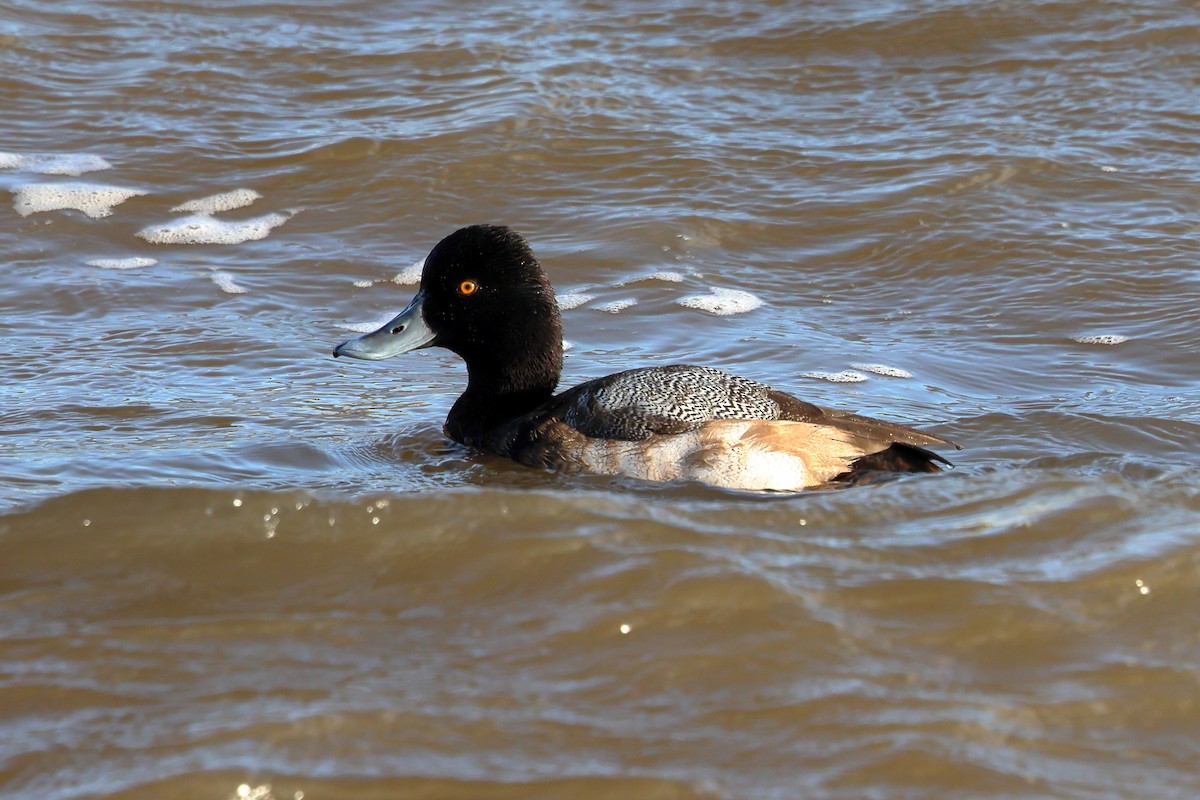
[(896, 458)]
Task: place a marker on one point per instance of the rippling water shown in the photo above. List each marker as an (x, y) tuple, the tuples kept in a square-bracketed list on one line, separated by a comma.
[(233, 567)]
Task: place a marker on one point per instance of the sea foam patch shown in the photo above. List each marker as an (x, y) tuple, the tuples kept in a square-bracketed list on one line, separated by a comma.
[(204, 229), (883, 369), (364, 327), (722, 302), (616, 306), (225, 201), (406, 277), (573, 300), (226, 283), (95, 200), (668, 277), (846, 376), (133, 262), (1110, 339), (54, 163), (410, 275)]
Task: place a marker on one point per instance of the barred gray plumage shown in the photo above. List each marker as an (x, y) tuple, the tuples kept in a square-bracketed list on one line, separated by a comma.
[(674, 399)]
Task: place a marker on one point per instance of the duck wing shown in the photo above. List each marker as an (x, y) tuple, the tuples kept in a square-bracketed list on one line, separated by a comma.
[(640, 403)]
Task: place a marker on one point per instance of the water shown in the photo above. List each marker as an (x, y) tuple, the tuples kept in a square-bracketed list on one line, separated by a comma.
[(233, 567)]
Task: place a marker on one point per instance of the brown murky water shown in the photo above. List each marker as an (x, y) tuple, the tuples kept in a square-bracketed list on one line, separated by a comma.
[(233, 567)]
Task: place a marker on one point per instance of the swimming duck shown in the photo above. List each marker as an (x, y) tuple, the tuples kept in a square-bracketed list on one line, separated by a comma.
[(484, 296)]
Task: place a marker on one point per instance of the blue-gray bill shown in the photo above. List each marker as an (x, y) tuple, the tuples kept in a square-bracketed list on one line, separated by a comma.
[(406, 332)]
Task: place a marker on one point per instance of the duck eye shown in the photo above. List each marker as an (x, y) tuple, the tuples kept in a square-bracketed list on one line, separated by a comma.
[(467, 288)]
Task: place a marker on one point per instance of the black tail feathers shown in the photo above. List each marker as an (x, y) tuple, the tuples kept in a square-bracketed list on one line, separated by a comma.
[(897, 458)]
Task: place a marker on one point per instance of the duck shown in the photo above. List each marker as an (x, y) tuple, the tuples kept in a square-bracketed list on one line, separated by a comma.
[(484, 296)]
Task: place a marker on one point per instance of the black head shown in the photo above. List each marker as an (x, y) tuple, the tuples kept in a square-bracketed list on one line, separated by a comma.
[(485, 297)]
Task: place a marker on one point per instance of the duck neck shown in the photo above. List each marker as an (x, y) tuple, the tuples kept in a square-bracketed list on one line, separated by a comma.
[(498, 392)]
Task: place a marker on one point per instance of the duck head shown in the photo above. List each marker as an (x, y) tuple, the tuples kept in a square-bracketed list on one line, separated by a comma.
[(484, 296)]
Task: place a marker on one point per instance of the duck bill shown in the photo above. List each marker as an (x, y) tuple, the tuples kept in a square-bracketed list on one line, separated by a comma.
[(403, 334)]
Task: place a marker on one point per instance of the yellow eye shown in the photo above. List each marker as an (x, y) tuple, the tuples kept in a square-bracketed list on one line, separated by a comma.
[(468, 287)]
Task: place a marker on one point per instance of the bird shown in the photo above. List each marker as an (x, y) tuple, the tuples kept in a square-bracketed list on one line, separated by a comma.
[(485, 297)]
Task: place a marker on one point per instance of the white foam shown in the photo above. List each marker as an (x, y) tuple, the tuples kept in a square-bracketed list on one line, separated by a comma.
[(669, 277), (883, 369), (1107, 168), (364, 284), (133, 262), (567, 345), (54, 164), (203, 229), (225, 201), (364, 327), (616, 306), (846, 376), (573, 300), (1101, 338), (722, 302), (226, 283), (411, 275), (93, 199)]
